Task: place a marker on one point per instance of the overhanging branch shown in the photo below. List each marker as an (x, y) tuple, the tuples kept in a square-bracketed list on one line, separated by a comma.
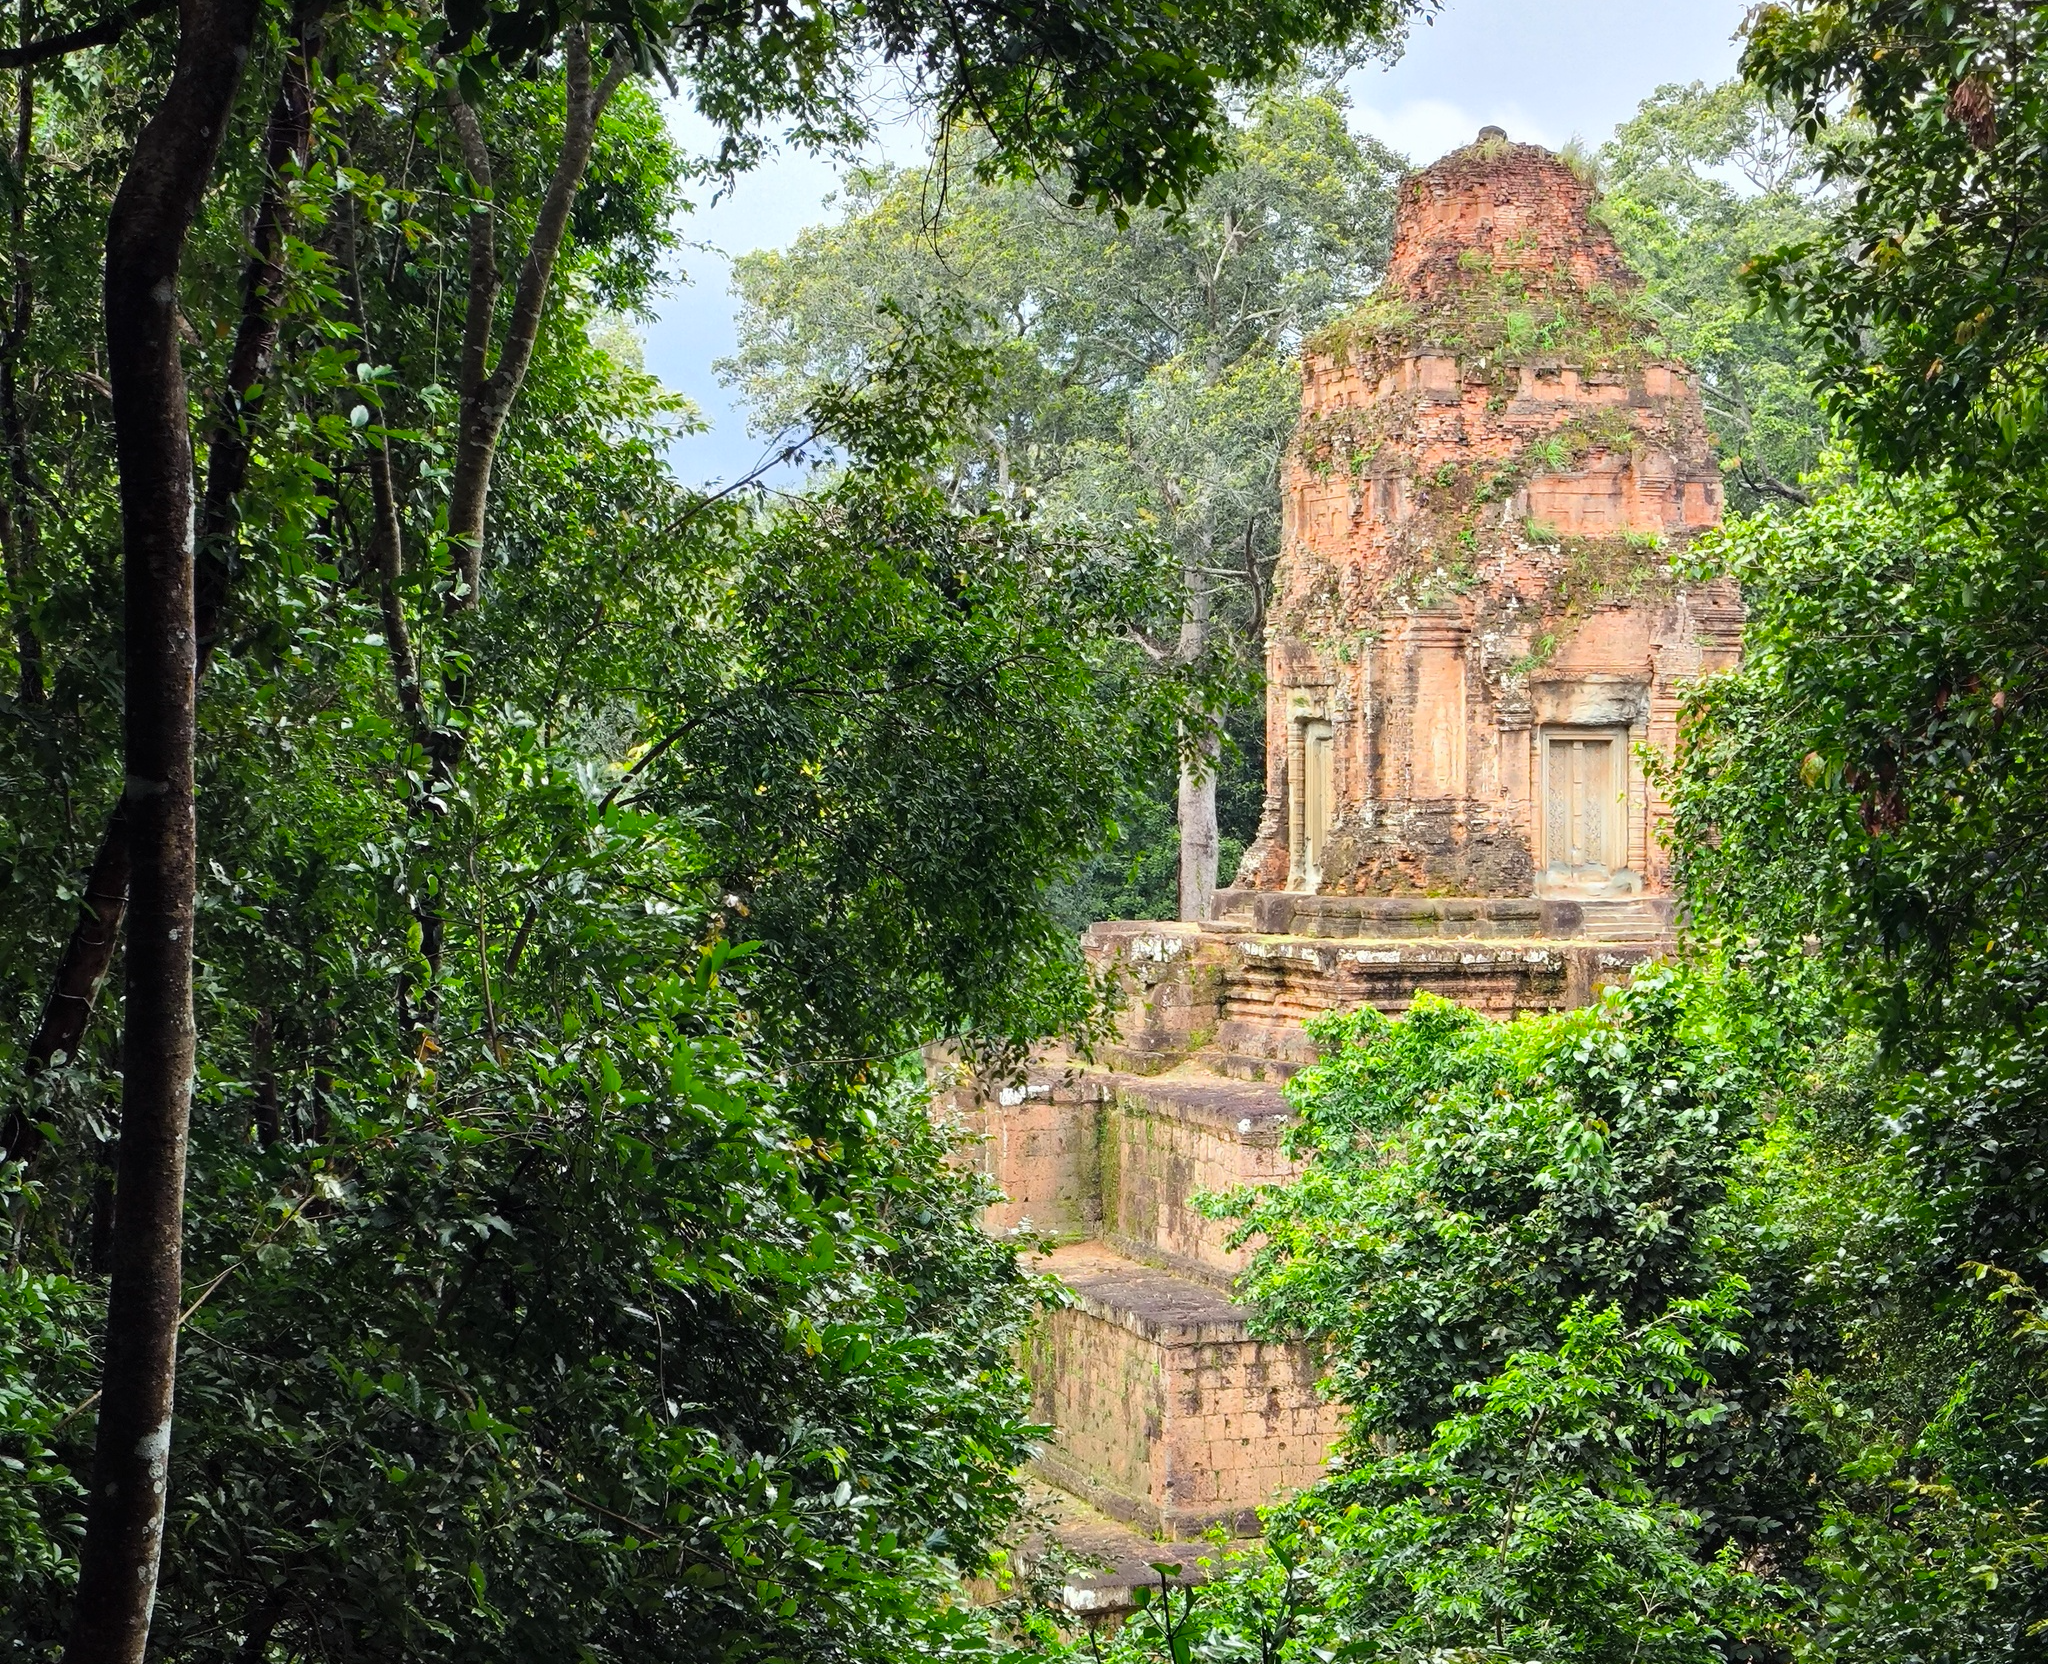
[(103, 33)]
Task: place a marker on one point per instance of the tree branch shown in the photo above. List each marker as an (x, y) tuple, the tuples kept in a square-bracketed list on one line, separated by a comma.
[(1766, 485), (487, 398), (103, 33), (479, 312), (387, 535), (287, 143)]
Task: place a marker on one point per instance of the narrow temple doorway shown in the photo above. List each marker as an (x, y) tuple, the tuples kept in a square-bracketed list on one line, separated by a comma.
[(1315, 803), (1585, 792)]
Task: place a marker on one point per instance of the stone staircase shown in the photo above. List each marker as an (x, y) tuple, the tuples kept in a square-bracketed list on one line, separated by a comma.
[(1171, 1418)]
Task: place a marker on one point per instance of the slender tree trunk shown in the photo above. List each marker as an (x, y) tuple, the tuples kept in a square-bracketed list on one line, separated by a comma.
[(487, 395), (387, 560), (387, 533), (1196, 799), (153, 212), (1196, 803), (89, 950), (87, 954), (263, 1621), (288, 139), (1199, 839), (17, 510), (475, 439)]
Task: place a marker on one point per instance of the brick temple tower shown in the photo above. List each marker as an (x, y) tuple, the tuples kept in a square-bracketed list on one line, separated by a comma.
[(1476, 616), (1477, 621)]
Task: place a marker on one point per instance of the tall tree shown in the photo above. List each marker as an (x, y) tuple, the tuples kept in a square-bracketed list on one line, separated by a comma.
[(17, 512), (1699, 183), (1865, 794), (1146, 372), (167, 177), (88, 951)]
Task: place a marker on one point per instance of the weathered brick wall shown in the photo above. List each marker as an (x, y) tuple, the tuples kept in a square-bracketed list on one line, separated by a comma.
[(1169, 1143), (1039, 1141), (1493, 472), (1170, 977), (1103, 1391), (1169, 1416)]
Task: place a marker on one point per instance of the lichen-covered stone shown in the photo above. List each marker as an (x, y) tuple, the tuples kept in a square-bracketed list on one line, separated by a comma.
[(1477, 618)]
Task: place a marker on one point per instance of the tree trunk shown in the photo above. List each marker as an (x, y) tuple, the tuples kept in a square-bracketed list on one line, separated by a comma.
[(1199, 754), (87, 954), (387, 534), (487, 397), (287, 141), (263, 1109), (89, 951), (1199, 838), (152, 214), (17, 509)]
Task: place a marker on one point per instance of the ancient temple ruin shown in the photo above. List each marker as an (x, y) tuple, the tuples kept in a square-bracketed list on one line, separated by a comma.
[(1479, 622), (1476, 620)]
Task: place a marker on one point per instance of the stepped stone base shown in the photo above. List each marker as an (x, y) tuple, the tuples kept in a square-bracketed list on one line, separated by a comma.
[(1081, 1154), (1178, 1137), (1237, 998), (1105, 1562), (1465, 918), (1170, 1417)]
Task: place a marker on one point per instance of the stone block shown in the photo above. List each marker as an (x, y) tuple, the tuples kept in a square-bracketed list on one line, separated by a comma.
[(1170, 1461), (1168, 1141)]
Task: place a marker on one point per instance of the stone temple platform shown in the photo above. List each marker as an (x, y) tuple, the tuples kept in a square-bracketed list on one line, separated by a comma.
[(1479, 638), (1171, 1418)]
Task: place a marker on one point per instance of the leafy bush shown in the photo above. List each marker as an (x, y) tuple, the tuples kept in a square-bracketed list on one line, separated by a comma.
[(1559, 1268)]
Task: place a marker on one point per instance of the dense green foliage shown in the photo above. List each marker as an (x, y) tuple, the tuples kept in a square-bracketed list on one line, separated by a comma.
[(1653, 1347), (1699, 183), (1143, 376), (1865, 786), (1922, 290), (1558, 1271), (467, 1383), (571, 1269)]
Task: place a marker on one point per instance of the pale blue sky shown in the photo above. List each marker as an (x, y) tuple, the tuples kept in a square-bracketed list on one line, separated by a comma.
[(1545, 72)]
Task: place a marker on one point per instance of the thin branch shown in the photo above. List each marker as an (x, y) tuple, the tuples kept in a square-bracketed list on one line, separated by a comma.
[(487, 396), (483, 957), (203, 1296), (1152, 649), (103, 33), (387, 535), (772, 459)]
